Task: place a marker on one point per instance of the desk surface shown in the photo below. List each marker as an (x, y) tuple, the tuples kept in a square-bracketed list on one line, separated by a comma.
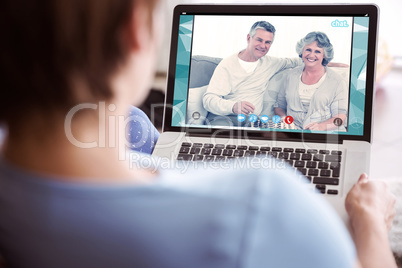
[(386, 154)]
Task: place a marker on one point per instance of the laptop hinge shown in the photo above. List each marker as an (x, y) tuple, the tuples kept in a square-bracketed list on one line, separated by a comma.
[(332, 139)]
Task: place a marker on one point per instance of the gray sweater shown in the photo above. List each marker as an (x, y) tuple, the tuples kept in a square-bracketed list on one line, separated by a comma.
[(331, 98)]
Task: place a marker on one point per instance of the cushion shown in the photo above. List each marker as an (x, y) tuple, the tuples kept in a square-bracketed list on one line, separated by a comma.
[(194, 105), (201, 70)]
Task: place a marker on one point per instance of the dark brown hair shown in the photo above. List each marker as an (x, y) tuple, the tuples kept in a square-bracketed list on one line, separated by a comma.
[(47, 42)]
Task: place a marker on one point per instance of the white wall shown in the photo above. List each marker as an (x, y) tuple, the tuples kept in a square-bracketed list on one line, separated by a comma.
[(390, 22), (219, 36)]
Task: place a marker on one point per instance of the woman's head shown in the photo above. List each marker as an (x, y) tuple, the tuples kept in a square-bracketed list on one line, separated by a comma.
[(322, 41), (53, 47)]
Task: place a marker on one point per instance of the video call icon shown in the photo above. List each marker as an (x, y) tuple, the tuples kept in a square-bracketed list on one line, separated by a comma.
[(252, 118), (264, 119), (276, 119), (241, 117)]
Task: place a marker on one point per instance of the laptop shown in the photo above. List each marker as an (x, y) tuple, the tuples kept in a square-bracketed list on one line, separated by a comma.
[(207, 46)]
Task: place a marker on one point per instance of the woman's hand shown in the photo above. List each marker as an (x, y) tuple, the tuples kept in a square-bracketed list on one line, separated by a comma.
[(371, 209), (370, 200)]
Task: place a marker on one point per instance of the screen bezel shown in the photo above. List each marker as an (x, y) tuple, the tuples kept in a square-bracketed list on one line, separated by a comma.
[(269, 10)]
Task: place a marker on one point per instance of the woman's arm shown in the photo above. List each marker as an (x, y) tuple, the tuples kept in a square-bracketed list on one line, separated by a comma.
[(371, 208)]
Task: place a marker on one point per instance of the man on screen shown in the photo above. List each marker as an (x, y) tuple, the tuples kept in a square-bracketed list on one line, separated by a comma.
[(239, 81)]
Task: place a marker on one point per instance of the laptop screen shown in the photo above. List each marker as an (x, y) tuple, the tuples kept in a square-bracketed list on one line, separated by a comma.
[(294, 73)]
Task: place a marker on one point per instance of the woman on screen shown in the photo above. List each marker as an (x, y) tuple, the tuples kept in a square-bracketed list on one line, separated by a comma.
[(314, 95)]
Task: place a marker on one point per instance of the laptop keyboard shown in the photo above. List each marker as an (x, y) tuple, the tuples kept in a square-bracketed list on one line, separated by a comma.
[(321, 167)]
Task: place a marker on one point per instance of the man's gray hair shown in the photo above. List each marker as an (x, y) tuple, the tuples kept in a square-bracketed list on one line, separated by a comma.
[(322, 42), (264, 25)]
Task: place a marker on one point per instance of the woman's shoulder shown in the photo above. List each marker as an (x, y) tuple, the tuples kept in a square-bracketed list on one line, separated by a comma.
[(237, 202), (334, 72), (292, 73), (297, 70), (337, 77)]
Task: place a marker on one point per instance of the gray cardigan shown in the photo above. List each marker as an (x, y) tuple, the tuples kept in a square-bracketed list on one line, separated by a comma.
[(331, 98)]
